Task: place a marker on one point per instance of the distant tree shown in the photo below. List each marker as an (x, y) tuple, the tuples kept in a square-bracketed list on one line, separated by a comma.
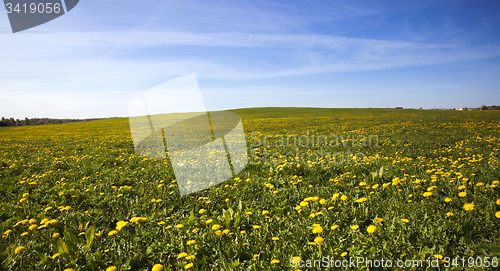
[(27, 121), (3, 122), (18, 122)]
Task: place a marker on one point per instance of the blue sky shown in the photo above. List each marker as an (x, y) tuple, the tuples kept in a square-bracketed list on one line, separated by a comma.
[(93, 60)]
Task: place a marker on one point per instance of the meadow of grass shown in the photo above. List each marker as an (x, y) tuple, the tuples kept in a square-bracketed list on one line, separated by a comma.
[(76, 196)]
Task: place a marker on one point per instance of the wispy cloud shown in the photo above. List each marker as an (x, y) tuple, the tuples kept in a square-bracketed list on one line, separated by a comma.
[(119, 53)]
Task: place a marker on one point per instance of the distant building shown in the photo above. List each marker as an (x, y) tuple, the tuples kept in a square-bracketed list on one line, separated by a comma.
[(460, 109), (399, 107)]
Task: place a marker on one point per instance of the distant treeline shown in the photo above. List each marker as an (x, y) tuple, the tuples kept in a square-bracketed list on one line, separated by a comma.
[(491, 107), (38, 121)]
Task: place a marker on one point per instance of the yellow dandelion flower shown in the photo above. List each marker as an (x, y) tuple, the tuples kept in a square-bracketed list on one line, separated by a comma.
[(378, 220), (275, 261), (462, 194), (6, 233), (56, 235), (219, 233), (344, 197), (111, 268), (191, 242), (334, 227), (202, 211), (138, 220), (190, 257), (405, 220), (18, 249), (113, 232), (179, 226), (497, 214), (55, 255), (182, 255), (216, 227), (168, 227), (275, 238), (256, 226), (427, 194), (498, 201), (120, 225), (24, 233), (371, 229), (354, 227), (51, 222), (343, 254), (209, 221), (469, 206), (243, 232), (157, 267), (265, 212), (361, 200), (447, 199), (449, 214), (317, 229)]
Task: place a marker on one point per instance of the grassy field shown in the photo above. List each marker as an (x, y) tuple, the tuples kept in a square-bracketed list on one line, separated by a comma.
[(386, 184)]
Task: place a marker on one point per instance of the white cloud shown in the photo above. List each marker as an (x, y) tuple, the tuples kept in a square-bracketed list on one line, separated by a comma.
[(109, 53)]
